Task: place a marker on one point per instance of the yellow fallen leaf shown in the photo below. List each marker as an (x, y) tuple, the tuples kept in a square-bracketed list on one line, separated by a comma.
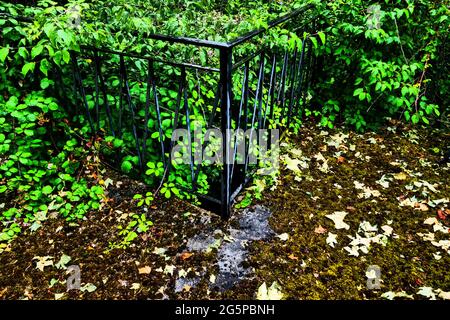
[(59, 296), (187, 288), (400, 176), (135, 286), (145, 270)]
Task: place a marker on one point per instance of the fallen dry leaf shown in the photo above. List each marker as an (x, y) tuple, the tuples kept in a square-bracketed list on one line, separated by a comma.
[(421, 206), (320, 230), (145, 270), (430, 221), (442, 215), (187, 288), (331, 239), (338, 219), (135, 286), (43, 262), (283, 236), (292, 257), (186, 255), (400, 176)]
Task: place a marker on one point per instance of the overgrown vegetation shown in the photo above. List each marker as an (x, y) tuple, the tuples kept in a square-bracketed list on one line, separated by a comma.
[(384, 59), (374, 59)]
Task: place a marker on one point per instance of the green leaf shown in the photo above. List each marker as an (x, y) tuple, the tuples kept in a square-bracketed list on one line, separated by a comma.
[(66, 38), (4, 53), (47, 190), (126, 166), (44, 66), (28, 67), (321, 36), (23, 52), (155, 135), (66, 56), (53, 106), (358, 92), (36, 51), (45, 83), (405, 91), (314, 41)]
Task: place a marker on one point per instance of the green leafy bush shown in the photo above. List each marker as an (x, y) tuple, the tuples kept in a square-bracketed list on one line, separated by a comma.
[(383, 59)]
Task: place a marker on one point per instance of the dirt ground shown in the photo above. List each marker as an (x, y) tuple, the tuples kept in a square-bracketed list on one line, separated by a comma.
[(343, 202)]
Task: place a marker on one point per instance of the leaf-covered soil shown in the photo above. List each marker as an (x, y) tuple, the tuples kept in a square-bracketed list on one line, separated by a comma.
[(344, 202)]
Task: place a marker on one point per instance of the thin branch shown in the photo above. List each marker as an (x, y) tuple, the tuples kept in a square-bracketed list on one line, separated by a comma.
[(373, 103), (400, 41), (421, 81), (162, 181)]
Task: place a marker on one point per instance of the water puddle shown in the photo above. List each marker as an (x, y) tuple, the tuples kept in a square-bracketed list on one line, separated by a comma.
[(182, 282), (232, 248)]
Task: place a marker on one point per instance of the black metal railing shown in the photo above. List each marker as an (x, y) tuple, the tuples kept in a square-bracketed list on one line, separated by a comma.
[(248, 84)]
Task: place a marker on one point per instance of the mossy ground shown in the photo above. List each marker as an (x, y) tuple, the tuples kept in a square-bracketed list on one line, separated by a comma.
[(307, 267), (304, 265)]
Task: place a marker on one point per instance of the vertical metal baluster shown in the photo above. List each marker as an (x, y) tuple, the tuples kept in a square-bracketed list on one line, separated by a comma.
[(281, 98), (97, 91), (121, 90), (261, 88), (188, 124), (79, 82), (105, 96), (133, 112), (309, 73), (147, 109), (292, 88), (226, 66), (256, 104), (210, 124), (175, 120), (158, 113), (241, 106), (301, 71), (271, 92), (247, 72)]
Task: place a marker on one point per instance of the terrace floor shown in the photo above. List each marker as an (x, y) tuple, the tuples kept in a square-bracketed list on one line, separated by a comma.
[(344, 202)]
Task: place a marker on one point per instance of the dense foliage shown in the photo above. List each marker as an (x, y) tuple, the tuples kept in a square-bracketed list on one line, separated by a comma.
[(384, 59), (380, 59)]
